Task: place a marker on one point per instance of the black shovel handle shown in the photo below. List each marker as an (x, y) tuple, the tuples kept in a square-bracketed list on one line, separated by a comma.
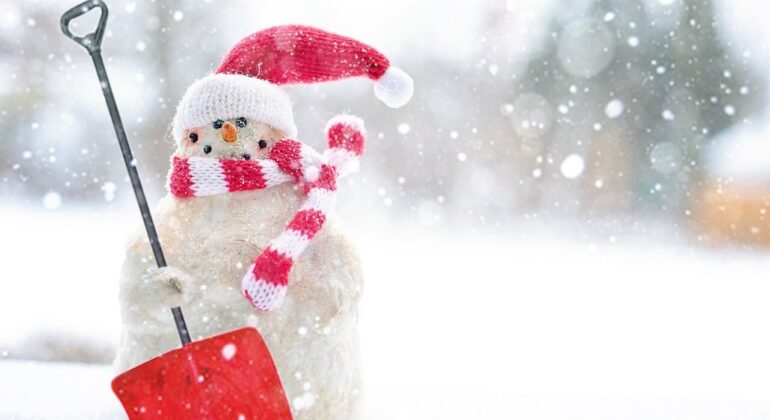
[(93, 43)]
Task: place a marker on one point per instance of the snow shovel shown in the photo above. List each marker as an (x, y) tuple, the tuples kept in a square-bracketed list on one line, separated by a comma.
[(228, 376)]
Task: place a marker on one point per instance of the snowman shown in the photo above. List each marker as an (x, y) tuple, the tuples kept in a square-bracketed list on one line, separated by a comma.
[(248, 228)]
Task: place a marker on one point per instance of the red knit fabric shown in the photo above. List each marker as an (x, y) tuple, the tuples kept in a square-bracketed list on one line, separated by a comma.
[(307, 222), (346, 137), (302, 54), (287, 154), (327, 180), (243, 175), (180, 181), (273, 265)]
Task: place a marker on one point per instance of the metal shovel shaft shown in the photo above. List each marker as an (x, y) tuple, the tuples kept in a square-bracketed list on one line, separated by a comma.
[(92, 43), (128, 158)]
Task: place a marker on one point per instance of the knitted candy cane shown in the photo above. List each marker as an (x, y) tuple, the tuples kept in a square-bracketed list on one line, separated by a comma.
[(265, 284)]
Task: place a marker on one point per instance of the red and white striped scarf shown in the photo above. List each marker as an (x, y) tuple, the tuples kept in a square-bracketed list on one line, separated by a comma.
[(265, 283)]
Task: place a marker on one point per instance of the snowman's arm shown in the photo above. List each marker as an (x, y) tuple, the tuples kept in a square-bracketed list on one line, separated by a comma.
[(147, 292)]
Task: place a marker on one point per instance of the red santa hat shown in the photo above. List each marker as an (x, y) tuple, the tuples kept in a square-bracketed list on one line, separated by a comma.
[(246, 82)]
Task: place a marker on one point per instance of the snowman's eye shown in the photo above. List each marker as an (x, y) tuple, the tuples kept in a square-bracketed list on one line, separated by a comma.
[(218, 124), (193, 137), (262, 144), (240, 122)]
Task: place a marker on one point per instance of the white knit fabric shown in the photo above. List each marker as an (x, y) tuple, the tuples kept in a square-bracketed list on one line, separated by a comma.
[(229, 96), (344, 160), (321, 200), (290, 243), (264, 295), (273, 174), (207, 176)]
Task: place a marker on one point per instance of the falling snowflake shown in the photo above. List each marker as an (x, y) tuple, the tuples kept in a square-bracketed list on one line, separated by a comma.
[(228, 351), (109, 189), (572, 166), (614, 108), (52, 200)]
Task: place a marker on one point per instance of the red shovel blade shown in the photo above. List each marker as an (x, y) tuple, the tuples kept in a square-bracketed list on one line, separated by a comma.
[(228, 376)]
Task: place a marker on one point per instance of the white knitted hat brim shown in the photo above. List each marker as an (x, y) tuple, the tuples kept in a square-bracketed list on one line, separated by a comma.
[(229, 96)]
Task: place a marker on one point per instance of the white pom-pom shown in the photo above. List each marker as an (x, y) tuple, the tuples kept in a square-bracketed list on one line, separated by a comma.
[(394, 88)]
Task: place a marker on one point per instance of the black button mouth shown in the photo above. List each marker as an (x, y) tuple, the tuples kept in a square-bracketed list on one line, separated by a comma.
[(246, 156)]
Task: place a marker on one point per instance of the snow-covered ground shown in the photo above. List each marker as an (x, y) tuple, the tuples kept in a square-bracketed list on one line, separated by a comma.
[(485, 326), (71, 391)]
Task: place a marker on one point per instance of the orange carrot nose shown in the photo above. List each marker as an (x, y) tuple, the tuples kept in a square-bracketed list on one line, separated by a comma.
[(229, 132)]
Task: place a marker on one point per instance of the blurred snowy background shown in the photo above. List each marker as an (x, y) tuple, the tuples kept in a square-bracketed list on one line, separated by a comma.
[(576, 199)]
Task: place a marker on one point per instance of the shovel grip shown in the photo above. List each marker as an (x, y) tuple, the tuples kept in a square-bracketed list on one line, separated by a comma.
[(93, 41)]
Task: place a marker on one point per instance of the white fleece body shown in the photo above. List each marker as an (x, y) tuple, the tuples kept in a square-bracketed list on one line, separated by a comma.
[(212, 241)]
